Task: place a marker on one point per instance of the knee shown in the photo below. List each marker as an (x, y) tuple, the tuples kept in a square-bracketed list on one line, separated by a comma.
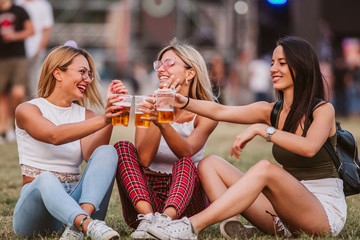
[(264, 169), (46, 181), (208, 163), (124, 146), (107, 155)]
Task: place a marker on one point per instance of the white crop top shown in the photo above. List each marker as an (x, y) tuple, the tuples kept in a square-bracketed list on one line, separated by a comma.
[(165, 158), (65, 158)]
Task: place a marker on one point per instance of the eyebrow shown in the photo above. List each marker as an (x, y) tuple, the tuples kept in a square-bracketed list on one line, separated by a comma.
[(279, 59)]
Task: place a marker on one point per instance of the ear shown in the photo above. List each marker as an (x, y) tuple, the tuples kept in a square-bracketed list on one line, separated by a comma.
[(57, 74), (190, 73)]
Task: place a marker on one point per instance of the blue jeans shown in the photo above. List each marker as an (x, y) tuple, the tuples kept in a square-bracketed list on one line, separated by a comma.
[(45, 203)]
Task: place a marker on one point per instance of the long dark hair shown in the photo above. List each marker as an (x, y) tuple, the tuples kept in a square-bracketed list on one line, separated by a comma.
[(307, 78)]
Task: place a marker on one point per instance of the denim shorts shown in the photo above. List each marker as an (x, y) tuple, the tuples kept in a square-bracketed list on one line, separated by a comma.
[(330, 193)]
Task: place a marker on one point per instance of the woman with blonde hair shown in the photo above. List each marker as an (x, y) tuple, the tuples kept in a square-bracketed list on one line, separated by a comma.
[(158, 178), (305, 195), (55, 133)]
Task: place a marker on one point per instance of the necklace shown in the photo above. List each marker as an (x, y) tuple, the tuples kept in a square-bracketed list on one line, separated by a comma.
[(180, 115)]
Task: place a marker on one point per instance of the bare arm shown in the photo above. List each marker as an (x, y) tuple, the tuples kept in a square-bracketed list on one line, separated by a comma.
[(20, 35), (322, 127), (247, 114), (147, 140), (44, 40), (29, 118), (194, 142)]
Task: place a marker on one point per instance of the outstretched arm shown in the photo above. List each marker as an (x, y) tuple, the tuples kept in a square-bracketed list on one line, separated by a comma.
[(247, 114)]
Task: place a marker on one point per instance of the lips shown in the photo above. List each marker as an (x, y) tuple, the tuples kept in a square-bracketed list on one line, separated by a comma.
[(163, 78), (276, 78), (81, 88)]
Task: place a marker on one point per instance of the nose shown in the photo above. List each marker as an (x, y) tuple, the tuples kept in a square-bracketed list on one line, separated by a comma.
[(273, 69)]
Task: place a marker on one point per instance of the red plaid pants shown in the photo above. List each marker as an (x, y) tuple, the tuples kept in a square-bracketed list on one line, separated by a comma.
[(181, 190)]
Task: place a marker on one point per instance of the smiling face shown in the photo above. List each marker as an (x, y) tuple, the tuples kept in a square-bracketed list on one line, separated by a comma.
[(280, 72), (178, 68), (72, 77)]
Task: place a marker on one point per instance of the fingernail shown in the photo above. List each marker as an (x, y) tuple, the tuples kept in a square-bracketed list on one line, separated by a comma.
[(120, 113)]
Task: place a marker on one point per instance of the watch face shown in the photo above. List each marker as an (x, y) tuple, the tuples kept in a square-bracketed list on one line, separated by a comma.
[(270, 130)]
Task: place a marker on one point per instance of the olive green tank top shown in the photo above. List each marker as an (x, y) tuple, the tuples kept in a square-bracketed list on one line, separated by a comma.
[(319, 166)]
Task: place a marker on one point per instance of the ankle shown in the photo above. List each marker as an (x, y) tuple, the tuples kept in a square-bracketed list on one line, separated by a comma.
[(81, 223)]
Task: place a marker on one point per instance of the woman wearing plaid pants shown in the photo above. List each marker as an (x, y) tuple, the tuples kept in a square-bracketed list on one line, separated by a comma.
[(157, 178)]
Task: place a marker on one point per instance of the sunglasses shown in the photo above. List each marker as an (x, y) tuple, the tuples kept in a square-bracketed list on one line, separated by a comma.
[(166, 64)]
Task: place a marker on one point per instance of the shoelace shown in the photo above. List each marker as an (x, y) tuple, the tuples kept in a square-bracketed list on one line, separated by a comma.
[(177, 226), (279, 225), (99, 228), (161, 218)]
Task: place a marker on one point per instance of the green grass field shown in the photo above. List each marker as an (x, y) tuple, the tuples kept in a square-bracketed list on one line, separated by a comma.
[(219, 144)]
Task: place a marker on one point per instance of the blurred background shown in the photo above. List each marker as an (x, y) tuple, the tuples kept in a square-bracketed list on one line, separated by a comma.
[(236, 38)]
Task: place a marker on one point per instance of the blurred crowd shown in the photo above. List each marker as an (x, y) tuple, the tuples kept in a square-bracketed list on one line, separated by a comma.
[(241, 80)]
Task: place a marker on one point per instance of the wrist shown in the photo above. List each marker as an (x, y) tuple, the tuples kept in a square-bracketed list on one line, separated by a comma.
[(270, 130), (186, 104)]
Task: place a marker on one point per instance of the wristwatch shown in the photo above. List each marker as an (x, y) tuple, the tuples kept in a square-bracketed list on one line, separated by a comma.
[(269, 132)]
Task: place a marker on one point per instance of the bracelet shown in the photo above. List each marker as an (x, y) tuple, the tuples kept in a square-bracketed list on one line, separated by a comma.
[(82, 221), (188, 100)]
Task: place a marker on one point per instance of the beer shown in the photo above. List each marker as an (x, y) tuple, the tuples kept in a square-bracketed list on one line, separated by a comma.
[(141, 123), (165, 115), (123, 118)]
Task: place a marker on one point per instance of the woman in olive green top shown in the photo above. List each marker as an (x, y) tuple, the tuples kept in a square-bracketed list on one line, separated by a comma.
[(306, 195)]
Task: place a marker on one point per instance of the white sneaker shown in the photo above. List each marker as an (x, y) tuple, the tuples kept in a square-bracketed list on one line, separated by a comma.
[(97, 230), (145, 221), (161, 219), (71, 233), (173, 230)]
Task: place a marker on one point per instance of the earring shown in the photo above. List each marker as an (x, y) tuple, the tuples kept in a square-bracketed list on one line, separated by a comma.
[(186, 81)]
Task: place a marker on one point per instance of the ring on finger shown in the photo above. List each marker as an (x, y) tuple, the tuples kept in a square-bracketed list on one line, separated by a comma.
[(165, 84)]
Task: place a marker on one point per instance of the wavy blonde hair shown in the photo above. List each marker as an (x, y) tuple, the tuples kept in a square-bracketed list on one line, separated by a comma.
[(200, 87), (61, 57)]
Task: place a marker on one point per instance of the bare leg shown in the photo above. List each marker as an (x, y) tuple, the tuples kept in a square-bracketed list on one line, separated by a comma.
[(171, 212), (217, 175), (143, 207), (294, 204)]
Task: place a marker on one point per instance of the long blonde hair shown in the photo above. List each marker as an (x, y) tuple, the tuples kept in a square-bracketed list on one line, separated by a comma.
[(62, 57), (200, 87)]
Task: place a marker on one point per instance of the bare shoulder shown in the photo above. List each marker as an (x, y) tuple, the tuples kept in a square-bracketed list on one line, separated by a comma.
[(324, 108), (26, 108), (204, 121), (26, 112)]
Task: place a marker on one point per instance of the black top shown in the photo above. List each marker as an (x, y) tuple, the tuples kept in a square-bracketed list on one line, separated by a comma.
[(12, 19)]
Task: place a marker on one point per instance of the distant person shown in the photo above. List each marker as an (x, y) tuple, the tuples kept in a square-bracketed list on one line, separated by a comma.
[(41, 15), (259, 79), (218, 76), (157, 177), (55, 134), (15, 27), (305, 195)]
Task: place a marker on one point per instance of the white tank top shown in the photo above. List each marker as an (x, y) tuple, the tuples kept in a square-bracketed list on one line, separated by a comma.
[(165, 158), (61, 158)]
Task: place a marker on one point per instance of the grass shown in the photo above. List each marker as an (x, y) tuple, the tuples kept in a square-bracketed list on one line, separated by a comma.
[(219, 143)]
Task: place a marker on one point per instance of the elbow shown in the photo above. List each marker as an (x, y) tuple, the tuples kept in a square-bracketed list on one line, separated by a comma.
[(144, 161), (311, 151), (55, 140)]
